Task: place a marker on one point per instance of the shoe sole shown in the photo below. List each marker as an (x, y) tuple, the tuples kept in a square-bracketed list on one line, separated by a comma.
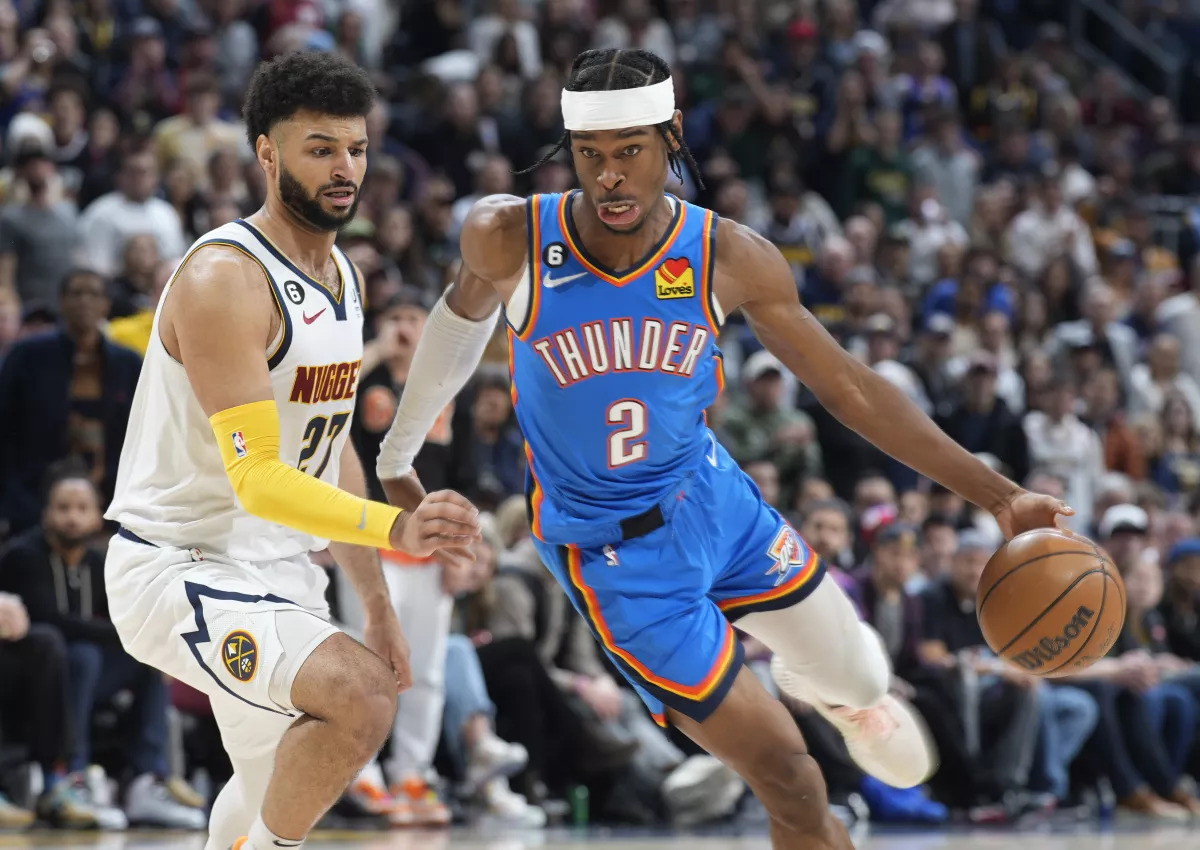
[(906, 716)]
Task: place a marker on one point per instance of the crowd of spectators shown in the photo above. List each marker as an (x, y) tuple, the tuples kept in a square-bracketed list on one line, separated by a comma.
[(966, 205)]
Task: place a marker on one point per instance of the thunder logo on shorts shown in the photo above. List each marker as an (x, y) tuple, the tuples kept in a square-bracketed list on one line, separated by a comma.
[(239, 653)]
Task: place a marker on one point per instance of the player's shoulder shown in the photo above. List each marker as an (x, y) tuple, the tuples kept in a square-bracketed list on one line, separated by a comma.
[(219, 275), (740, 247)]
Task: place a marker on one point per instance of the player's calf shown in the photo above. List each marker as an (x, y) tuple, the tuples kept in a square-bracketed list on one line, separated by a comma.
[(792, 790)]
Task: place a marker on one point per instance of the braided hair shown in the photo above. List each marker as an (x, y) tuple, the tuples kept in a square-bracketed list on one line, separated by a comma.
[(612, 70)]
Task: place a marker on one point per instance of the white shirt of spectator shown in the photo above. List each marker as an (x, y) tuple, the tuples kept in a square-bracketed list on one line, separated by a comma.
[(1072, 451), (111, 220), (1038, 235)]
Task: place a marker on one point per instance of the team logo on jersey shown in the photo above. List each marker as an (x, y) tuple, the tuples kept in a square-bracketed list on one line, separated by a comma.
[(331, 382), (787, 552), (239, 654), (675, 279), (294, 291), (239, 444), (610, 556)]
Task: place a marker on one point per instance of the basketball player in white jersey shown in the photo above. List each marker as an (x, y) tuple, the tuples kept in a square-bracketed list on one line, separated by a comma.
[(237, 464)]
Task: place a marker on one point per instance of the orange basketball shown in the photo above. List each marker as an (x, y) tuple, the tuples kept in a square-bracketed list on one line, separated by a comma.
[(1051, 602)]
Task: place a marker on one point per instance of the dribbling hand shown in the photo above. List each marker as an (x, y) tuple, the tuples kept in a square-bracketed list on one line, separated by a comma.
[(1026, 511), (443, 520)]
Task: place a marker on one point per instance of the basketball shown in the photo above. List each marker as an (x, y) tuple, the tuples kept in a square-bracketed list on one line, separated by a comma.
[(1051, 602)]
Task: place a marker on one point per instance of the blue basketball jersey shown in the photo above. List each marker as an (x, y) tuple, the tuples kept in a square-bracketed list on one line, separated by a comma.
[(612, 371)]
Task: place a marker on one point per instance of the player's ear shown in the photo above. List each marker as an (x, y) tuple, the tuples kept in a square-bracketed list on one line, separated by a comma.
[(677, 123), (264, 149)]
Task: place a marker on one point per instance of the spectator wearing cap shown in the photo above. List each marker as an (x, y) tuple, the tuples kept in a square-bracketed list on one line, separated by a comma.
[(983, 422), (1123, 531), (807, 76), (1105, 414), (1049, 227), (198, 132), (39, 236), (1181, 600), (1058, 440), (66, 393), (1021, 728), (110, 220), (762, 424)]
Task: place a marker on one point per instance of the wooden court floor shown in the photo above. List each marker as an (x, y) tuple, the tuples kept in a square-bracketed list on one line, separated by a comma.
[(1122, 838)]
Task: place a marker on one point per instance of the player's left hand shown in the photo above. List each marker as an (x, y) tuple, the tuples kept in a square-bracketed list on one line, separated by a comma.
[(1026, 511), (385, 638)]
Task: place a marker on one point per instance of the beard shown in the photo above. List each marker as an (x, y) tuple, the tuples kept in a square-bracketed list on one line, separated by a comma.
[(308, 207)]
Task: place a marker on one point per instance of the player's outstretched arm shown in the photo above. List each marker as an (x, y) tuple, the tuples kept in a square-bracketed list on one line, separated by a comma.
[(455, 336), (217, 321), (752, 274)]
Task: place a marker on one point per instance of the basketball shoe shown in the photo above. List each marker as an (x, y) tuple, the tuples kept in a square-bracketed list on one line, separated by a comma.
[(889, 741), (418, 804)]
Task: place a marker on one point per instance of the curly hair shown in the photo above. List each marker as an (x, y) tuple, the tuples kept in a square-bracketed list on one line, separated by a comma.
[(305, 80), (612, 69)]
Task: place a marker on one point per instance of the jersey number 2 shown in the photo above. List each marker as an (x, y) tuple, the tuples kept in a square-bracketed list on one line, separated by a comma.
[(314, 432), (623, 445)]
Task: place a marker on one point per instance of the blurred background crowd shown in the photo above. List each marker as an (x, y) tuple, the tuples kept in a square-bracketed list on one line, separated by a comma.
[(995, 203)]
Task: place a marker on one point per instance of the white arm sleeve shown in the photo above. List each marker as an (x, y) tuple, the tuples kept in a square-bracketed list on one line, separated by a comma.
[(447, 354)]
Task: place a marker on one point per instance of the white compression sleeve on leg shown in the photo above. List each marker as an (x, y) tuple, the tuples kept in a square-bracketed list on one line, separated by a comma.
[(447, 354)]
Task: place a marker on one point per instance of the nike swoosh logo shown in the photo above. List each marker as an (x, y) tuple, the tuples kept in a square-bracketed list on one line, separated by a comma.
[(362, 523), (551, 282), (712, 454), (308, 320), (281, 843)]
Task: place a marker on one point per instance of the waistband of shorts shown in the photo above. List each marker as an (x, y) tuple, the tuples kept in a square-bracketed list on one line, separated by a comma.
[(122, 531)]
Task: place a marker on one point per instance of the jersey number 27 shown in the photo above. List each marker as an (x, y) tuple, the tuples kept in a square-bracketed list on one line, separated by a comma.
[(624, 445)]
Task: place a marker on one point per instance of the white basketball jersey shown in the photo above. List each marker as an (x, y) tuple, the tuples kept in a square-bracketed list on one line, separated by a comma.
[(172, 488)]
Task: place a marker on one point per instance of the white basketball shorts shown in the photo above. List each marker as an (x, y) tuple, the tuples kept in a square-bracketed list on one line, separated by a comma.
[(238, 631)]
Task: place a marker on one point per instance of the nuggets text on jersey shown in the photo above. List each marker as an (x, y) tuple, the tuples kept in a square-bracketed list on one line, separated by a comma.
[(331, 382)]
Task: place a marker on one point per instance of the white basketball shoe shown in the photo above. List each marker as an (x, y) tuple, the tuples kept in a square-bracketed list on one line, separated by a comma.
[(890, 741)]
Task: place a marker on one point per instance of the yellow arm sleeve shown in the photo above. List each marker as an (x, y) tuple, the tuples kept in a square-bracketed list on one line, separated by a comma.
[(248, 437)]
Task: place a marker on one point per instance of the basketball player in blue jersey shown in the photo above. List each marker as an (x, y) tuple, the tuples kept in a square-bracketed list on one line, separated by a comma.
[(613, 297)]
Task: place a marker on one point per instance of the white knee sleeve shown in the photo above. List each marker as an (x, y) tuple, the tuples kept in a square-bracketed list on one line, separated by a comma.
[(821, 638)]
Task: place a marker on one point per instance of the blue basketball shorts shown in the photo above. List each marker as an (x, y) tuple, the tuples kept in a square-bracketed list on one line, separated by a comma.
[(662, 603)]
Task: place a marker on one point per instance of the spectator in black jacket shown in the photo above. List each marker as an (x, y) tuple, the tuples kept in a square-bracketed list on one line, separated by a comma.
[(1181, 601), (982, 422), (61, 581), (64, 394)]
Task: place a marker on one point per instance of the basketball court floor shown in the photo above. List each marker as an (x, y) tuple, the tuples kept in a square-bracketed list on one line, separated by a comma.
[(1120, 838)]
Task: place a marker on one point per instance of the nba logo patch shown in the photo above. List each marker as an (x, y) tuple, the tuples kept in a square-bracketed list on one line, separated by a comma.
[(675, 279), (239, 652), (239, 444)]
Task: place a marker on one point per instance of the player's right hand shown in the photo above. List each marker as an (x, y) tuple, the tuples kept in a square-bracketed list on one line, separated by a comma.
[(443, 519)]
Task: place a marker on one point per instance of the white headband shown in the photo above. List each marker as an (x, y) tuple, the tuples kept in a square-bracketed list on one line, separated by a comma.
[(616, 110)]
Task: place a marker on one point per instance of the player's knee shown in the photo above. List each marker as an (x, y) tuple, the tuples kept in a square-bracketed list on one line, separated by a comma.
[(792, 790), (369, 704)]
